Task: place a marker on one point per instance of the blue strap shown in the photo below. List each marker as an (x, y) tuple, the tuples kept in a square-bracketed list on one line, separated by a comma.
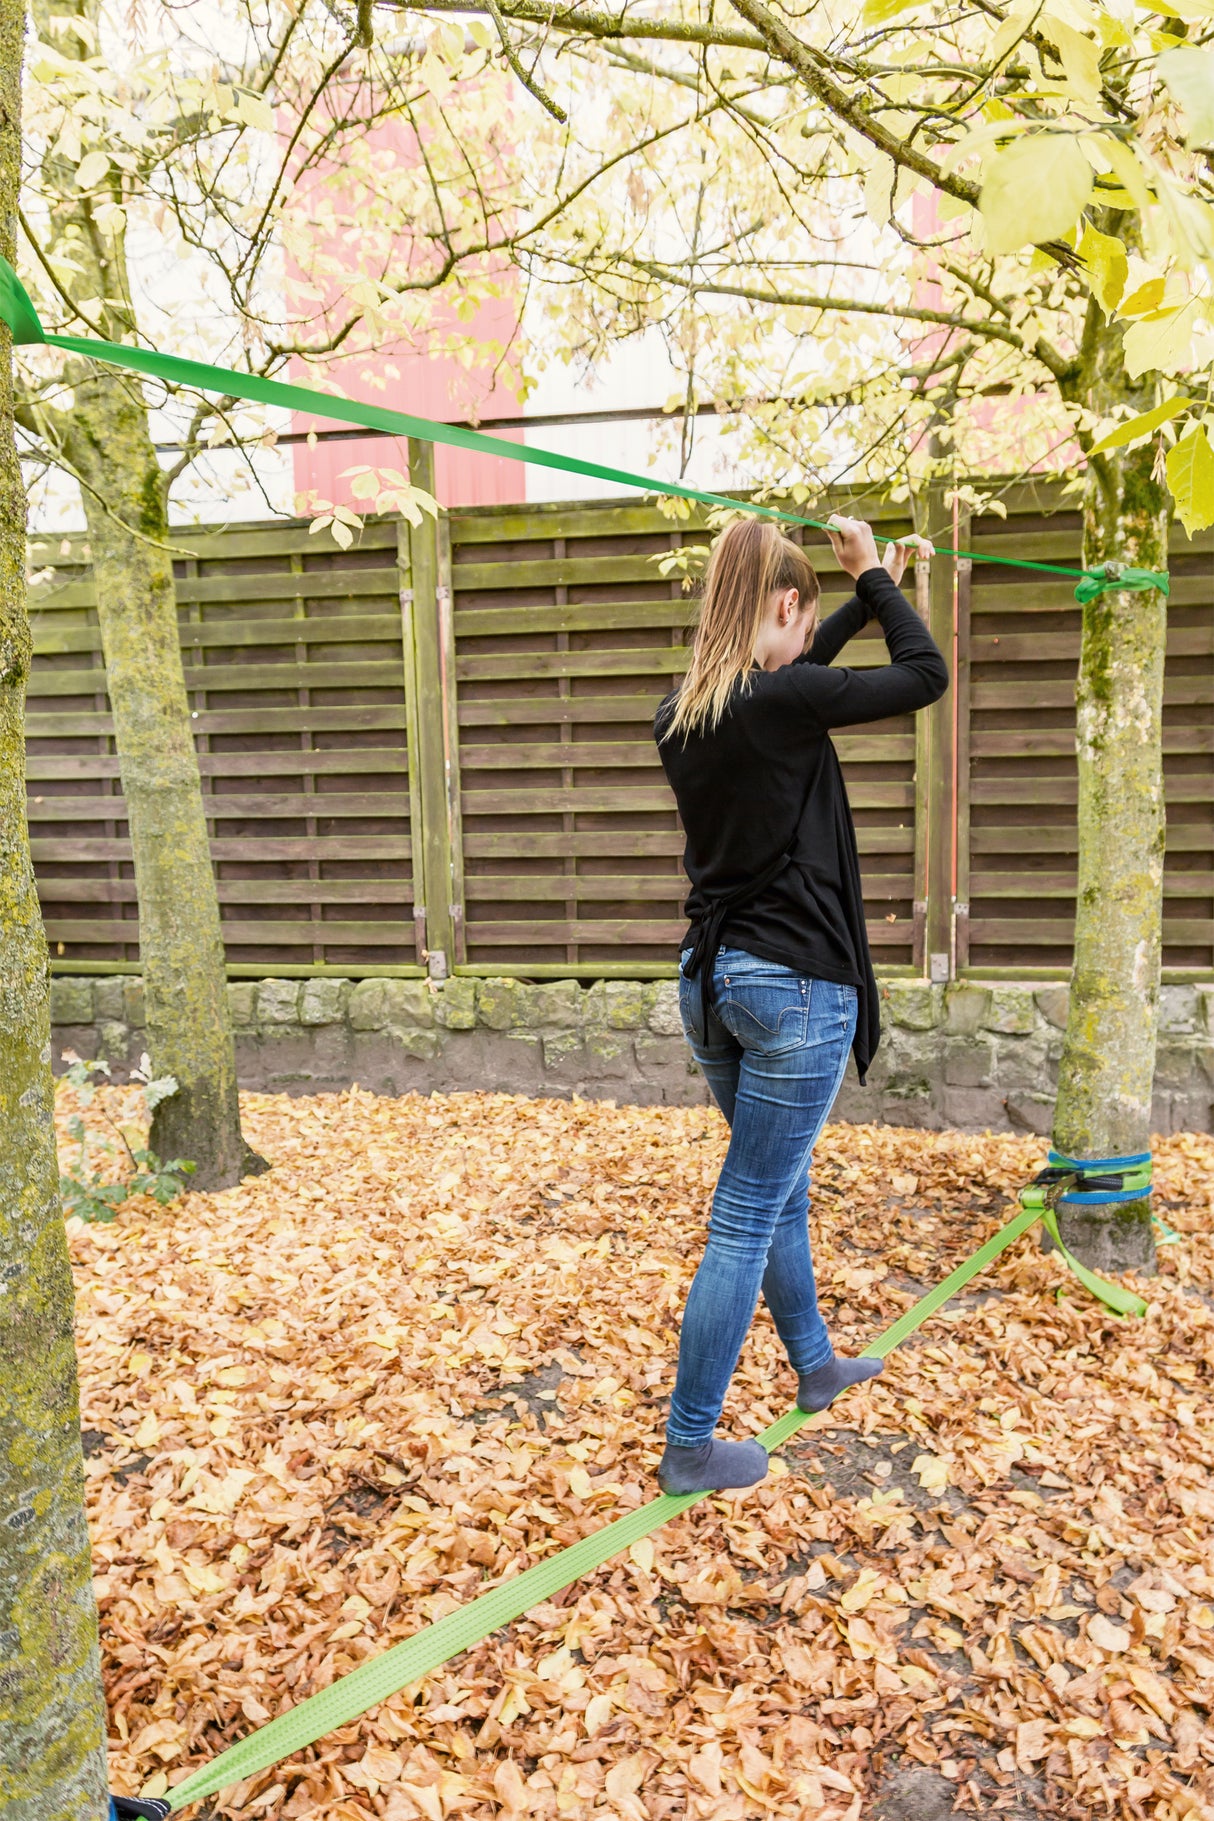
[(1093, 1167), (1100, 1163), (1095, 1196)]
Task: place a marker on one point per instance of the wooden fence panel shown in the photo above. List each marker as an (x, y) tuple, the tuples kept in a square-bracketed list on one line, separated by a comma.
[(294, 671), (535, 644), (1020, 792), (567, 636)]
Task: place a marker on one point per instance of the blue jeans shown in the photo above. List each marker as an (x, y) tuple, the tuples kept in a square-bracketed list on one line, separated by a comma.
[(778, 1044)]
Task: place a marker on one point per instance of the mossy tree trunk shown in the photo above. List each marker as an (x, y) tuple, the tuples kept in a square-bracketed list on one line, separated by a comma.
[(180, 942), (52, 1713), (1107, 1068), (107, 439)]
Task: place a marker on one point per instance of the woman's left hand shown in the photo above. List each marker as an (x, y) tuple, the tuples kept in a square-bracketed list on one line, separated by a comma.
[(898, 555)]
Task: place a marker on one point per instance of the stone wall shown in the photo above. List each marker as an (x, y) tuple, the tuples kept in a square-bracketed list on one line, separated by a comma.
[(967, 1055)]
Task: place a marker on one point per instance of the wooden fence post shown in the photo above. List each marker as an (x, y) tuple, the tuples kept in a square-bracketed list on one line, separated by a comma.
[(433, 758), (935, 769)]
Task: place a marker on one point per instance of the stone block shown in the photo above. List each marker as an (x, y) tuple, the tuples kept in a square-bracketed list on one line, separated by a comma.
[(513, 1062), (242, 1004), (1203, 1056), (1052, 1003), (1178, 1011), (856, 1105), (625, 1003), (607, 1055), (412, 1003), (554, 1005), (905, 1085), (1175, 1065), (376, 1005), (1025, 1063), (1191, 1112), (1161, 1111), (969, 1062), (664, 1017), (966, 1007), (1011, 1011), (71, 1000), (563, 1050), (1205, 1009), (278, 1002), (913, 1004), (504, 1005), (455, 1004), (113, 1040), (421, 1045), (975, 1109), (134, 1005), (108, 996), (323, 1001), (1028, 1112), (656, 1055)]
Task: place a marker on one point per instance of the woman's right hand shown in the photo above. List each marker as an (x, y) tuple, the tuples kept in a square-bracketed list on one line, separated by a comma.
[(853, 543)]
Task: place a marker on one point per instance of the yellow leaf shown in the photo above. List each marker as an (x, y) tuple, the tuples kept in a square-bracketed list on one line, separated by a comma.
[(1144, 298), (1107, 265), (1160, 341), (579, 1483), (930, 1471), (597, 1714), (641, 1554), (254, 111), (91, 169), (148, 1432), (1080, 58), (860, 1593), (1142, 425), (1034, 190), (1189, 74)]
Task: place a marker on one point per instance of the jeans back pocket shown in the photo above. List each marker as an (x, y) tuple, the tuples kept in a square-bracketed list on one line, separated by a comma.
[(765, 1009)]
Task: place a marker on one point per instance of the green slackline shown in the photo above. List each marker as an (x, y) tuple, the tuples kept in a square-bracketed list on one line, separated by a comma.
[(385, 1675), (18, 312)]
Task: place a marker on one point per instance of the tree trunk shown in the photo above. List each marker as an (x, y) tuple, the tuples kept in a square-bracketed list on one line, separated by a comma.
[(180, 944), (52, 1712), (1107, 1069)]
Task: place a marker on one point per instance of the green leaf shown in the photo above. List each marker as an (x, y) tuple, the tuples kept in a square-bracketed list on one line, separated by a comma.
[(1189, 74), (1107, 266), (1034, 191), (1190, 468), (1134, 427)]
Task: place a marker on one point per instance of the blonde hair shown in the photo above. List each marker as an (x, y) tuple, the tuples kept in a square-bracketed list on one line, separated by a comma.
[(750, 561)]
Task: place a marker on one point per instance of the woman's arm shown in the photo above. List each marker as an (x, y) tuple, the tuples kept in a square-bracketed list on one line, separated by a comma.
[(915, 675), (843, 625), (836, 631)]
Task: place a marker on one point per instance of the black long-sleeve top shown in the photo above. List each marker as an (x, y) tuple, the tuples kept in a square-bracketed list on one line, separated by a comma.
[(740, 790)]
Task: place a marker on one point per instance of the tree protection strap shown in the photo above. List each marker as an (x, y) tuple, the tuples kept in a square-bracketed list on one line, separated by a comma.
[(17, 311), (385, 1675)]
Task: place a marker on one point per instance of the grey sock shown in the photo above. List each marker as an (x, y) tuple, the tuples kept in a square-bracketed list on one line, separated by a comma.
[(712, 1467), (817, 1390)]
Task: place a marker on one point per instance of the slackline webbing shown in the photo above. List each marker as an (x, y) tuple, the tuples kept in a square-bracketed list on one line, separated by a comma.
[(385, 1675), (17, 311)]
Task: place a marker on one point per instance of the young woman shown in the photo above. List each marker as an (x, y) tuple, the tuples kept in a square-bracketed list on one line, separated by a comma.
[(776, 983)]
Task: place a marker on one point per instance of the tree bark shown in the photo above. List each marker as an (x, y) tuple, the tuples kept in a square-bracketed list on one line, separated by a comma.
[(107, 438), (180, 941), (1103, 1108), (52, 1712)]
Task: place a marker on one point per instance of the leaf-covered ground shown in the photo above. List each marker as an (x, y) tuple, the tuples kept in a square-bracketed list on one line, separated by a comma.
[(435, 1341)]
